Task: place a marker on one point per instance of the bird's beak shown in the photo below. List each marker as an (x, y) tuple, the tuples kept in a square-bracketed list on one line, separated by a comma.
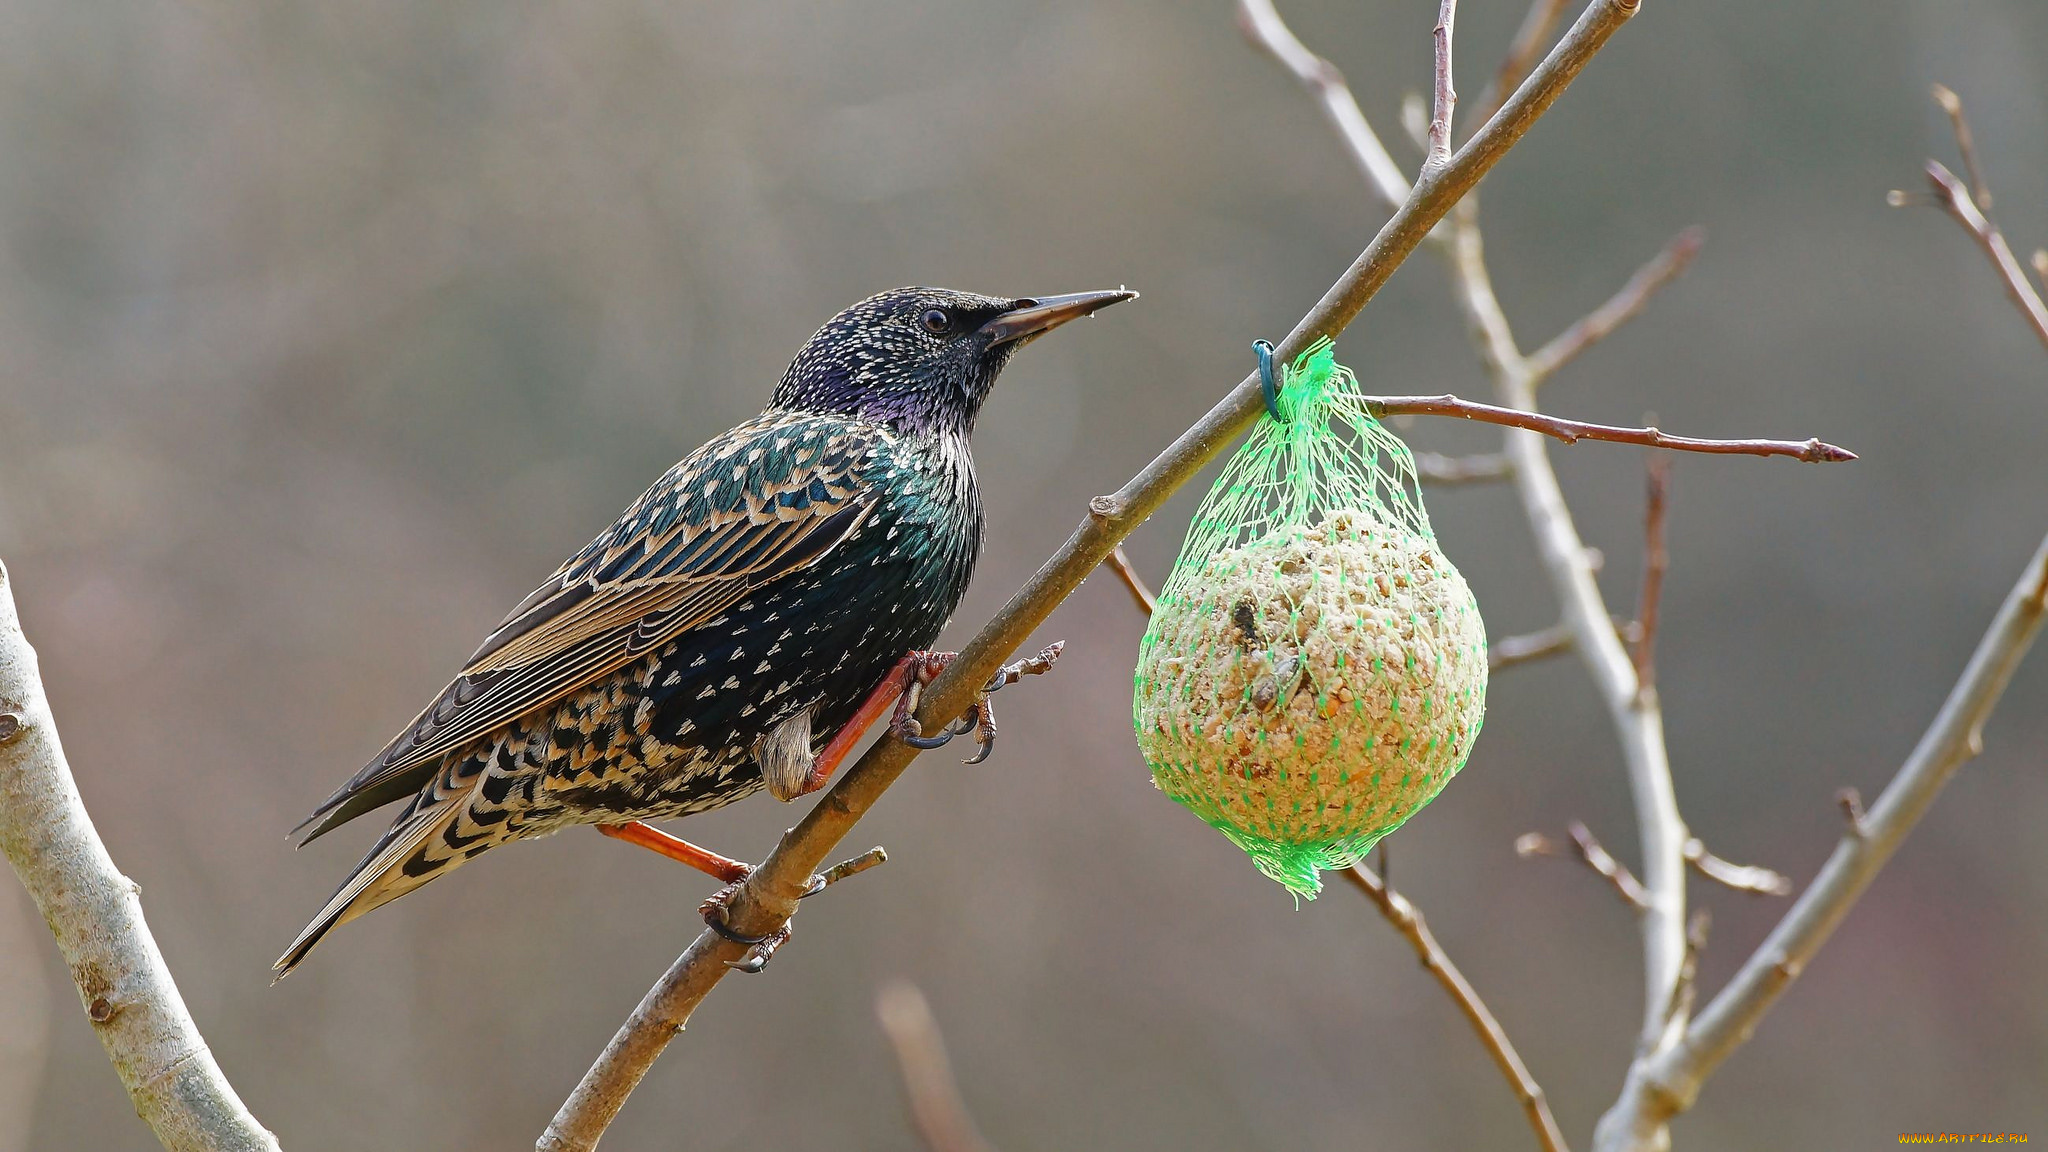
[(1035, 316)]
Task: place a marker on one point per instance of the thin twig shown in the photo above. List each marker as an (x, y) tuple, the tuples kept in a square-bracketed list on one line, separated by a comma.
[(1965, 143), (1119, 562), (96, 915), (1512, 650), (767, 899), (1479, 468), (1555, 640), (1588, 851), (928, 1085), (1262, 25), (1407, 919), (1687, 989), (1527, 45), (1971, 211), (1741, 877), (1446, 101), (1656, 558), (1572, 431), (1954, 197), (1595, 326)]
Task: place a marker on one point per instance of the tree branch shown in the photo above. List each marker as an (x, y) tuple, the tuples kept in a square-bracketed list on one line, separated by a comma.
[(928, 1084), (1407, 919), (1572, 431), (1956, 198), (1623, 306), (1636, 714), (1119, 562), (1741, 877), (1261, 24), (1446, 101), (1437, 468), (1665, 1082), (1527, 45), (768, 897), (1588, 851), (1668, 1082), (96, 915), (1656, 558)]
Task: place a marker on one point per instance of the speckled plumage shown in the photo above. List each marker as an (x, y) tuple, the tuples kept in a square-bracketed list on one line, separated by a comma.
[(770, 578)]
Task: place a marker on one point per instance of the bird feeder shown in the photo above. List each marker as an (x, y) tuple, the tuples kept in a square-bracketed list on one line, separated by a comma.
[(1316, 670)]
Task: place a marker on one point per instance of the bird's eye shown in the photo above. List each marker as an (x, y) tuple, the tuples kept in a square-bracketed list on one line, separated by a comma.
[(936, 321)]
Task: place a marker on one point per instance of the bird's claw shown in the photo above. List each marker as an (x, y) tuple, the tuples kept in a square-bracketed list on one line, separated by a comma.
[(760, 949), (980, 718), (759, 954)]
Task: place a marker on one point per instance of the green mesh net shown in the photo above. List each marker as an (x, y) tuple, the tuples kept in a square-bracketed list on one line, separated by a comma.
[(1316, 669)]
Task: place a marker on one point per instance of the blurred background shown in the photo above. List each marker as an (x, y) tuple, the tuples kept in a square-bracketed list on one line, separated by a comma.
[(327, 328)]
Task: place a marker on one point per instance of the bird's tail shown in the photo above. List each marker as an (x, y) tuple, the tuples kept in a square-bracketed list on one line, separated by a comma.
[(433, 835)]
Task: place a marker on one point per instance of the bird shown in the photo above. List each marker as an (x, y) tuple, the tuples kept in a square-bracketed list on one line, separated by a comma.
[(739, 626)]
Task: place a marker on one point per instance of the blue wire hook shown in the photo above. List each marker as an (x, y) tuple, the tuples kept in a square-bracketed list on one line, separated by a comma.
[(1269, 383)]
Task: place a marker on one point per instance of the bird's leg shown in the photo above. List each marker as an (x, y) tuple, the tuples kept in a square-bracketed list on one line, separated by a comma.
[(980, 717), (681, 851), (908, 675), (734, 873), (760, 949)]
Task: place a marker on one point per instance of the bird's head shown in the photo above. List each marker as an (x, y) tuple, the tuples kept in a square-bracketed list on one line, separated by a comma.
[(922, 360)]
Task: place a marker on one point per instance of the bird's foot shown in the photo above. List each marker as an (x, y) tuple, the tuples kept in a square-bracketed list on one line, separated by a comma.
[(717, 910), (921, 668)]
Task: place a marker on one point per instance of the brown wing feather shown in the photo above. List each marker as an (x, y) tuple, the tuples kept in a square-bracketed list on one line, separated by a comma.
[(641, 584)]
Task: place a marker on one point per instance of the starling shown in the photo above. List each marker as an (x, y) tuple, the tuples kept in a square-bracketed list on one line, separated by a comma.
[(739, 625)]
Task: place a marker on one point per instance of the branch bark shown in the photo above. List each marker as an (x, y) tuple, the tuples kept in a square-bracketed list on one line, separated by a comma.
[(1663, 1082), (1666, 1083), (768, 898), (95, 913), (1407, 919)]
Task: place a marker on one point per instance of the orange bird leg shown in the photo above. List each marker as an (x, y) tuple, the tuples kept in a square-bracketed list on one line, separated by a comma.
[(675, 848), (915, 668)]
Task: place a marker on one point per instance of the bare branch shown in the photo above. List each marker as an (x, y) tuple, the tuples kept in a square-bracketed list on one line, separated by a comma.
[(1512, 650), (1407, 919), (1656, 558), (1687, 989), (1671, 1080), (1552, 641), (1573, 431), (1664, 1081), (1623, 306), (96, 915), (1437, 468), (1741, 877), (1261, 24), (1588, 851), (1965, 143), (928, 1084), (1446, 101), (1528, 44), (767, 899), (1954, 197), (1119, 562)]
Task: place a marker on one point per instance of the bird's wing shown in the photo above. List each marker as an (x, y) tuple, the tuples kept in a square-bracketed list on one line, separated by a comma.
[(770, 498)]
